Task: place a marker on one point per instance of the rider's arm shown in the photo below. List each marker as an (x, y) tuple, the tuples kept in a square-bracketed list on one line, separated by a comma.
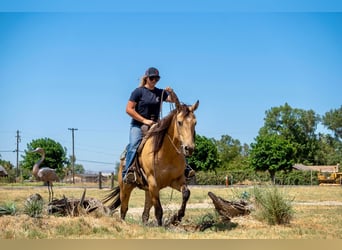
[(130, 110)]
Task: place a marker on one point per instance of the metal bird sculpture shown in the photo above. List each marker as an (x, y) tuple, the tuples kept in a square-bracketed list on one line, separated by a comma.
[(48, 175)]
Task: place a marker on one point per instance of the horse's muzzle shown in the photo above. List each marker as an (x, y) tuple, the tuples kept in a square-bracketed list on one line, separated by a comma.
[(187, 150)]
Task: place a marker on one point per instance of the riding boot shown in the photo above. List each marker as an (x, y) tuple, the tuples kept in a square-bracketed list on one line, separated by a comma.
[(129, 177), (189, 172)]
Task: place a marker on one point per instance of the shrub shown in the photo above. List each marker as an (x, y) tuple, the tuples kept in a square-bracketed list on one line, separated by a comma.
[(34, 208), (234, 177), (272, 206), (296, 178), (8, 209)]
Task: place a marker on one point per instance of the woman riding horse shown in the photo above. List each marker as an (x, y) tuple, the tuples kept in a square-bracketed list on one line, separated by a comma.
[(144, 108), (161, 161)]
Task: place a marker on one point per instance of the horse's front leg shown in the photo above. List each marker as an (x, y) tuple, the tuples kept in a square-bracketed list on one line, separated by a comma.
[(158, 211), (181, 212), (147, 207), (154, 195)]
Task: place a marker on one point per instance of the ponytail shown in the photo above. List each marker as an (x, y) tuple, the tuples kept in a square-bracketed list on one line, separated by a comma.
[(143, 81)]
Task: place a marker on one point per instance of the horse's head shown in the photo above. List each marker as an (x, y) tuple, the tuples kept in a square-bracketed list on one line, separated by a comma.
[(181, 124), (185, 123)]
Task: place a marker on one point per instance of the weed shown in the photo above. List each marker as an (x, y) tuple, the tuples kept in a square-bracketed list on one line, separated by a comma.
[(8, 209), (34, 208), (213, 221), (272, 206)]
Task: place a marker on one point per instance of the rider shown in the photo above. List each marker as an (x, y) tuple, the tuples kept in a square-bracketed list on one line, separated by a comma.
[(144, 108)]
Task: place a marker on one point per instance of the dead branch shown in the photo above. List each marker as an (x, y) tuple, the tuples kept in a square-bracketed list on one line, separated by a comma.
[(76, 207)]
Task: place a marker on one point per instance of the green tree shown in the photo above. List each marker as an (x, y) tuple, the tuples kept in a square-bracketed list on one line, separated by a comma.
[(205, 156), (298, 127), (330, 150), (55, 155), (7, 165), (333, 121), (272, 153), (231, 153), (10, 169)]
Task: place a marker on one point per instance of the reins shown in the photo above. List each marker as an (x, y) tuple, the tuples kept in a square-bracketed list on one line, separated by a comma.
[(161, 105)]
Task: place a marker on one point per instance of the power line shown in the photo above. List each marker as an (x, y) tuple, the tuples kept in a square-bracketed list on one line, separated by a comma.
[(99, 162)]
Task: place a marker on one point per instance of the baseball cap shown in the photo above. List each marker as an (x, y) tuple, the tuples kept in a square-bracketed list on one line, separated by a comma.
[(152, 72)]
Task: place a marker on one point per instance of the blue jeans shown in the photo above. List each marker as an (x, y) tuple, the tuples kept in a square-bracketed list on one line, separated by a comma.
[(135, 137)]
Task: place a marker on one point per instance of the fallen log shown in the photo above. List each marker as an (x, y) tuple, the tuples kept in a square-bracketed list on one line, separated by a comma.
[(229, 209)]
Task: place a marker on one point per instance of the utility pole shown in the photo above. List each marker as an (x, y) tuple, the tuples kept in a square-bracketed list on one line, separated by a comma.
[(73, 154), (17, 150)]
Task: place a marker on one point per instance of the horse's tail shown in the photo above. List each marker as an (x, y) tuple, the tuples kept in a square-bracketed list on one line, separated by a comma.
[(113, 194)]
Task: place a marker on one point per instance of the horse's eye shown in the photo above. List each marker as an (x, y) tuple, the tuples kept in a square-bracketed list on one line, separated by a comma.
[(180, 123)]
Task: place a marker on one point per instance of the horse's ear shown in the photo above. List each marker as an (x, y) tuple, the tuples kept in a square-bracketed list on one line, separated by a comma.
[(194, 107)]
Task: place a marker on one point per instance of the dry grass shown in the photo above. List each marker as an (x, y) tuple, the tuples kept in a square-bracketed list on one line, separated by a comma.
[(317, 216)]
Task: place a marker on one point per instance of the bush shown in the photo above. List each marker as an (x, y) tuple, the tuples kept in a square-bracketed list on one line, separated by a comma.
[(234, 177), (8, 209), (272, 206), (209, 178), (239, 177), (296, 178), (34, 208)]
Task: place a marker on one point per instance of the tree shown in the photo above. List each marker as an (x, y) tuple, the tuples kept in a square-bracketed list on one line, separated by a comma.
[(55, 155), (298, 127), (333, 121), (231, 153), (7, 165), (205, 156), (287, 137), (9, 169), (272, 153), (330, 150)]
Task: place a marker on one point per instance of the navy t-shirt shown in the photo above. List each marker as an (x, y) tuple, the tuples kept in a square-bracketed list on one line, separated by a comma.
[(147, 103)]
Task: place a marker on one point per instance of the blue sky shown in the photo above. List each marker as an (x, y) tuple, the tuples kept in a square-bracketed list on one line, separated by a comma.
[(76, 69)]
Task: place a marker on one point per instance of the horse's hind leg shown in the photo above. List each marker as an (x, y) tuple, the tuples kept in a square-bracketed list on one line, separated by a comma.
[(147, 207), (125, 193)]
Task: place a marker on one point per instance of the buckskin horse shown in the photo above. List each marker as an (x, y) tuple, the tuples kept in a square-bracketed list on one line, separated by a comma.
[(161, 163)]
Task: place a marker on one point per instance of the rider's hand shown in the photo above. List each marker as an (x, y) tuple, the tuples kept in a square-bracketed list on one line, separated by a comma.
[(148, 122), (168, 89)]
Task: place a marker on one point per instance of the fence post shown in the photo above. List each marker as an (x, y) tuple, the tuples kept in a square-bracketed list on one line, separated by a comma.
[(100, 180), (112, 181)]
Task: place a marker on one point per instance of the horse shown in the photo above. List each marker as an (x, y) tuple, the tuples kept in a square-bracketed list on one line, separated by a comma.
[(162, 163)]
